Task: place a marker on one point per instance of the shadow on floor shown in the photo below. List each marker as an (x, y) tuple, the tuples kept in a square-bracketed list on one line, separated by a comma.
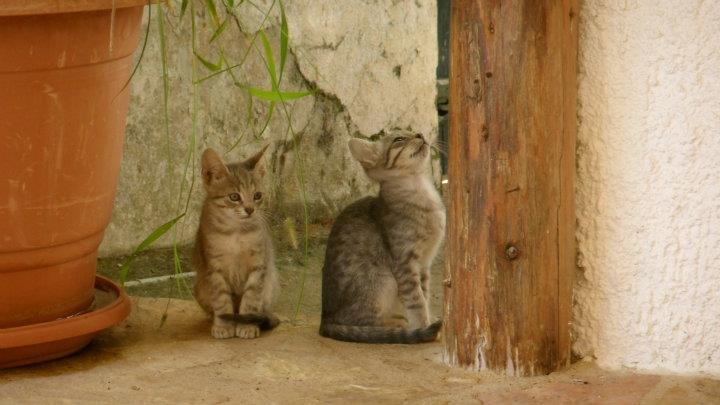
[(163, 353), (179, 363), (300, 275)]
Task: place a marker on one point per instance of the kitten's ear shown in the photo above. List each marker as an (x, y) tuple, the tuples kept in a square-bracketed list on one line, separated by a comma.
[(251, 162), (364, 152), (213, 168)]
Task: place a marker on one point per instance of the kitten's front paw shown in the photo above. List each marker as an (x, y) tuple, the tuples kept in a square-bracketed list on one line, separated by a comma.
[(247, 331), (223, 331)]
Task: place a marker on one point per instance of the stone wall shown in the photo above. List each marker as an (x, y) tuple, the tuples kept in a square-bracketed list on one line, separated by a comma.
[(370, 65)]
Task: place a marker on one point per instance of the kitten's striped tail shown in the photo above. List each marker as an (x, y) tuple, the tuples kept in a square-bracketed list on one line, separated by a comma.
[(264, 321), (380, 334)]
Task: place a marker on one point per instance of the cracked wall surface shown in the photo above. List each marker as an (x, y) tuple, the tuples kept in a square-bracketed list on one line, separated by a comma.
[(648, 185), (370, 64)]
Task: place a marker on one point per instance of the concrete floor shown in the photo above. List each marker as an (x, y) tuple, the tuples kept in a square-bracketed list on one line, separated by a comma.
[(142, 361), (179, 363)]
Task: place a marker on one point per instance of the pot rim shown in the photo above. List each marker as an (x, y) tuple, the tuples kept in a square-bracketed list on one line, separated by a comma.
[(41, 7), (66, 328)]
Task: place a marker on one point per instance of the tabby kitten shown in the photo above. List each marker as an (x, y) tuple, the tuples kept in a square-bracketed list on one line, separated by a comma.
[(236, 277), (377, 263)]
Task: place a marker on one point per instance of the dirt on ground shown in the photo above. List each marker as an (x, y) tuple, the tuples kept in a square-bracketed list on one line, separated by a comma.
[(163, 353), (178, 362)]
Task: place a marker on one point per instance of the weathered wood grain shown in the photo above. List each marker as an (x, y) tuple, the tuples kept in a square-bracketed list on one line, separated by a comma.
[(511, 246)]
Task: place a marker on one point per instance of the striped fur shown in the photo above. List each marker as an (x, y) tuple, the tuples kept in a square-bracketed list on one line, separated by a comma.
[(379, 334), (377, 263), (234, 256)]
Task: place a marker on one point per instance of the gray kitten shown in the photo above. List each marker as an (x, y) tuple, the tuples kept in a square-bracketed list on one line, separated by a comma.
[(234, 259), (377, 264)]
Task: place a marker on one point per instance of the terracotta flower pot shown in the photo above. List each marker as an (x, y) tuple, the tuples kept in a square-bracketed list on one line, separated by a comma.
[(62, 122), (49, 340)]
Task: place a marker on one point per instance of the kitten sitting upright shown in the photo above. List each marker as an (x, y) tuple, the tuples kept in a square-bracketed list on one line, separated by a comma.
[(381, 248), (234, 259)]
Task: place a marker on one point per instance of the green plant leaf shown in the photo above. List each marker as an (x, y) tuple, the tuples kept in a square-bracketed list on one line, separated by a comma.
[(142, 52), (284, 35), (183, 7), (154, 235), (249, 117), (219, 30), (180, 281), (267, 120), (166, 90), (211, 66), (270, 95), (269, 60), (213, 11)]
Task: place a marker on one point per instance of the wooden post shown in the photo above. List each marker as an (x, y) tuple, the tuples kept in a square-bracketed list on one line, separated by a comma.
[(510, 254)]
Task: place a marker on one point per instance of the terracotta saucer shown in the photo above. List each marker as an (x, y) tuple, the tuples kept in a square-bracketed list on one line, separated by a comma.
[(51, 340)]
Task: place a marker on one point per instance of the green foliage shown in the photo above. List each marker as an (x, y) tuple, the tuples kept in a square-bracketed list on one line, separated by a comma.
[(269, 60), (277, 95), (284, 35), (142, 53), (219, 30), (166, 89), (183, 7), (210, 6), (154, 235), (214, 67)]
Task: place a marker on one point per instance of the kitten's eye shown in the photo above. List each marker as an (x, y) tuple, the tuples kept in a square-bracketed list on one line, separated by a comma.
[(399, 139), (257, 196), (234, 197)]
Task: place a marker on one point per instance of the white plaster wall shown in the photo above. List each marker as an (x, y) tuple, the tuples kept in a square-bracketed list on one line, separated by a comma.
[(648, 190)]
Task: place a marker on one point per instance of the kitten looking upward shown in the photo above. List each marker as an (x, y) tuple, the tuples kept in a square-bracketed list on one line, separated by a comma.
[(377, 264), (236, 278)]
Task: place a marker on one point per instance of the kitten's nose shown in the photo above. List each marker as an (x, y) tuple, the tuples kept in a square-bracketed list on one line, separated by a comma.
[(419, 136), (249, 210)]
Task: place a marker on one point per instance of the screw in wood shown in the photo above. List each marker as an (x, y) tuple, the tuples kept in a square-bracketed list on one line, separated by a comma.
[(511, 252)]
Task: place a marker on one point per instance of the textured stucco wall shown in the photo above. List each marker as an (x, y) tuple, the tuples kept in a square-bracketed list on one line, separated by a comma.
[(648, 185), (372, 64)]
